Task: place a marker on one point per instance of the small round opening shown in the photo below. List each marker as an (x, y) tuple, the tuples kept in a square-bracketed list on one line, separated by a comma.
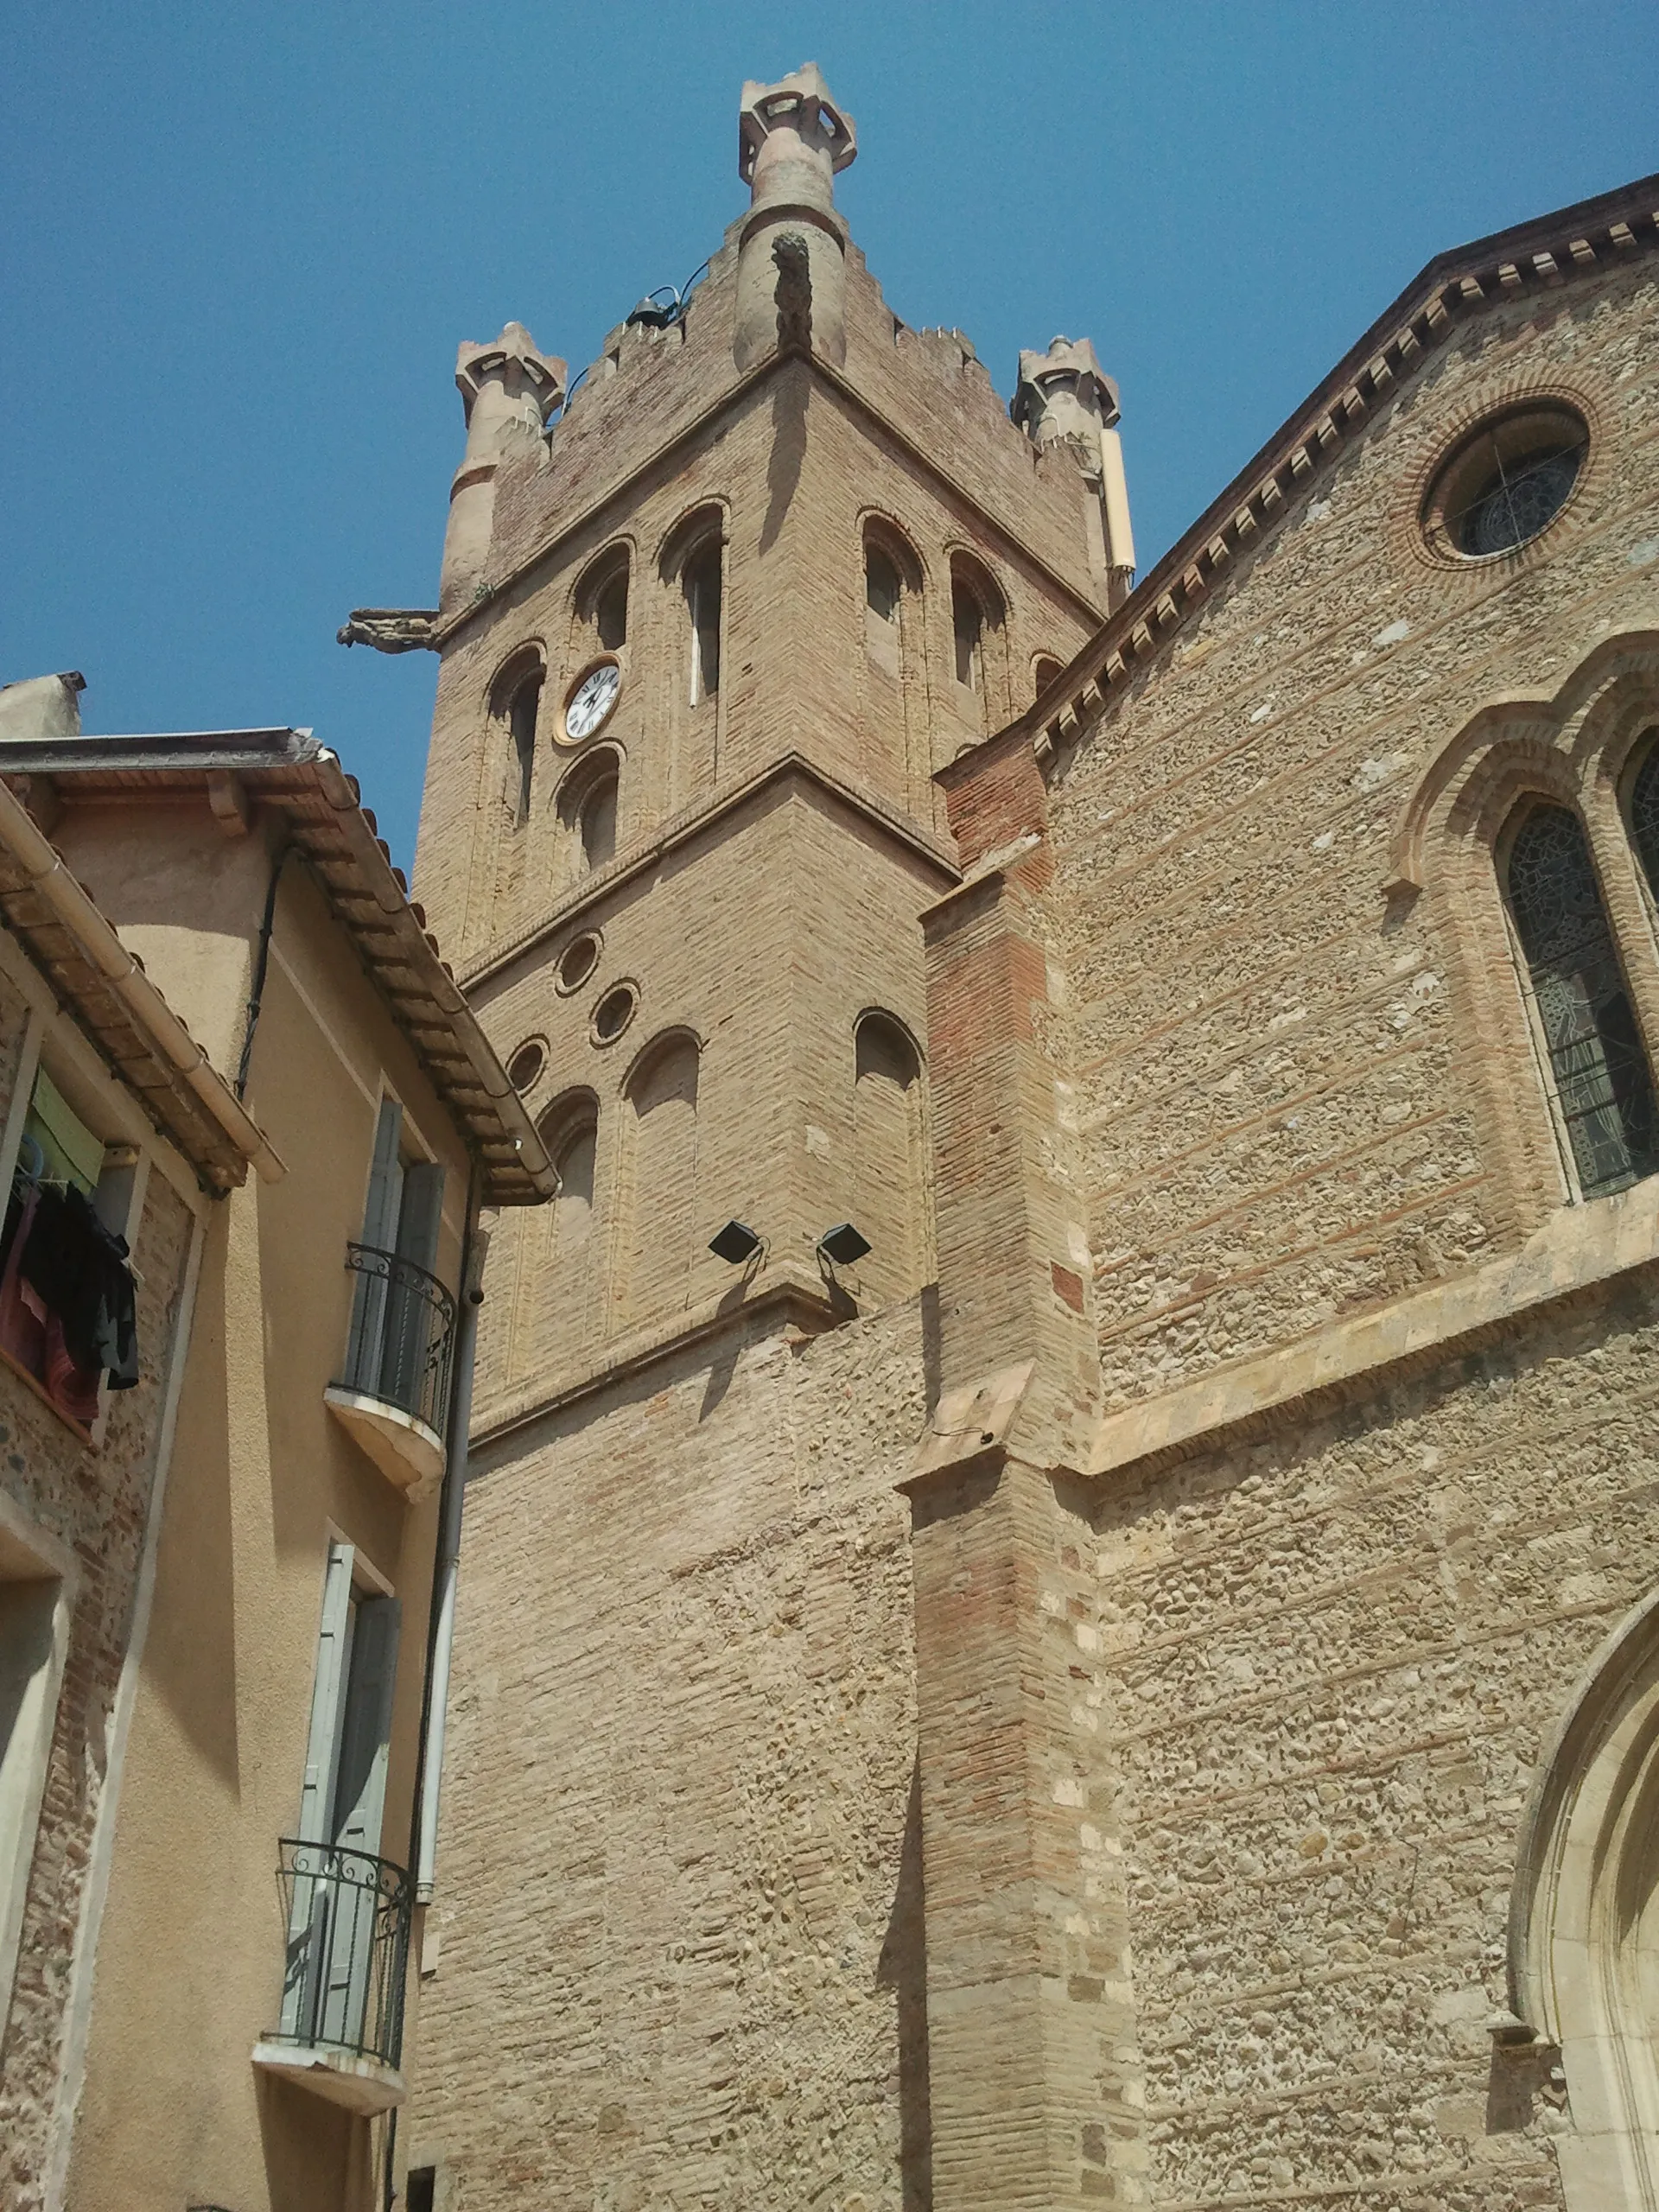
[(526, 1063), (577, 962), (614, 1012), (1507, 482)]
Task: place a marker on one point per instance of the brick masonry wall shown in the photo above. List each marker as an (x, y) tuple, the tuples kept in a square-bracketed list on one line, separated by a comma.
[(96, 1504), (1328, 1662), (1281, 1115), (797, 470), (679, 1890)]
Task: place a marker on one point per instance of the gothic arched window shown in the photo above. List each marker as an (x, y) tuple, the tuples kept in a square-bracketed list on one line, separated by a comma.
[(1644, 813), (1603, 1087)]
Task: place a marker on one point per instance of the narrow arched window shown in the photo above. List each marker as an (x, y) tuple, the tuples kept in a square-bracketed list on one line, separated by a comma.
[(610, 612), (661, 1155), (522, 717), (882, 589), (597, 823), (586, 809), (1602, 1088), (887, 1149), (562, 1309), (700, 580), (1644, 813), (967, 626), (1044, 672)]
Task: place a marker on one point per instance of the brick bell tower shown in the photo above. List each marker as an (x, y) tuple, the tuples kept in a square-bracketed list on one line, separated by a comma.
[(711, 617)]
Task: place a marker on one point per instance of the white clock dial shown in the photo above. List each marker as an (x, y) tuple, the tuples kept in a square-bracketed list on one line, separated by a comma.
[(591, 701)]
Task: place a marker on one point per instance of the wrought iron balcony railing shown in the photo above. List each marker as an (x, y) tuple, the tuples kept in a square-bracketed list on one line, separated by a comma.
[(347, 1919), (403, 1336)]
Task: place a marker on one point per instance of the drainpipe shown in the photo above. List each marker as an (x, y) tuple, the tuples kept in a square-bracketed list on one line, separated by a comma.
[(440, 1626), (423, 1841)]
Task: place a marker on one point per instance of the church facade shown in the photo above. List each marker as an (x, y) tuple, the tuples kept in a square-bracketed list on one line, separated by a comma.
[(1059, 1588)]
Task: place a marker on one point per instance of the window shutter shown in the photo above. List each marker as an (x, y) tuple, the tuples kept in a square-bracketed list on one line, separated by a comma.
[(409, 1317), (308, 1924), (333, 1657), (422, 1210), (380, 1233), (366, 1734)]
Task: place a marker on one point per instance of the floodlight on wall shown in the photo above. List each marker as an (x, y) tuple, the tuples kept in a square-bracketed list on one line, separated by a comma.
[(843, 1245), (737, 1242)]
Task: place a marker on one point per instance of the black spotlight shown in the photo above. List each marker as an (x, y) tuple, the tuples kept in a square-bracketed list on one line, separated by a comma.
[(737, 1242), (842, 1245)]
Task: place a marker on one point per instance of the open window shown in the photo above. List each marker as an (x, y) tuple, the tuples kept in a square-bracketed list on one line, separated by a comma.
[(394, 1394), (602, 603), (348, 1908), (66, 1295), (700, 581), (977, 622), (516, 702)]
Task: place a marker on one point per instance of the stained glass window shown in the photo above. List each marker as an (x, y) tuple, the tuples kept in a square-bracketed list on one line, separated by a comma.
[(1644, 814), (1596, 1054)]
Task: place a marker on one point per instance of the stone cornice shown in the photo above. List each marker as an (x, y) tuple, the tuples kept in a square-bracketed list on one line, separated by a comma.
[(1533, 257), (782, 1292), (685, 828), (1579, 1248)]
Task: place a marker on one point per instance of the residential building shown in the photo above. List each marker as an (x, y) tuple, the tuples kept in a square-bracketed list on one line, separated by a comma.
[(227, 1582)]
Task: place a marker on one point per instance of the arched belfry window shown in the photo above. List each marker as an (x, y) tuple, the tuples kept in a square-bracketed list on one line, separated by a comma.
[(516, 699), (700, 580), (968, 632), (883, 590), (976, 617), (587, 807), (1602, 1088), (602, 602)]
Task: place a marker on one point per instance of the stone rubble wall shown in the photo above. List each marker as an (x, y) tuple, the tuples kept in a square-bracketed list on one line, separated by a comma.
[(1329, 1661), (1278, 1115), (96, 1505)]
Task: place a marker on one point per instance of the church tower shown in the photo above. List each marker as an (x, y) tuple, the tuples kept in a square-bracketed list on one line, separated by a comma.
[(711, 618)]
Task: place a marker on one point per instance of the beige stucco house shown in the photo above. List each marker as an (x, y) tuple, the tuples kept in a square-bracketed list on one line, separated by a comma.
[(224, 1585)]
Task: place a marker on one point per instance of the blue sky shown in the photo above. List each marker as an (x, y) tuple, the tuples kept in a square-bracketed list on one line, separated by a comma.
[(242, 243)]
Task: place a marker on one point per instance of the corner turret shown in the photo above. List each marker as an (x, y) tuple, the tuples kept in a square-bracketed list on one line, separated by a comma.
[(1063, 396), (791, 277), (508, 389)]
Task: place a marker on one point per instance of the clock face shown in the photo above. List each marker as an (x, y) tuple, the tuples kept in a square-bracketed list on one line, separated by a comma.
[(592, 701)]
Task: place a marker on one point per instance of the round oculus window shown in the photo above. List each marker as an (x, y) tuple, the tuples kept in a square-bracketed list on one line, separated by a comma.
[(614, 1012), (590, 705), (1506, 483), (576, 962), (526, 1063)]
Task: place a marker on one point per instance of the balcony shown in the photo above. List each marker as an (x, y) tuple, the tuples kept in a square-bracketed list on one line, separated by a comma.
[(347, 1916), (394, 1395)]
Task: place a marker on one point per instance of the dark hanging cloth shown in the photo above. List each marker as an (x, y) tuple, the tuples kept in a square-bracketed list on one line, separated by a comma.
[(79, 1270)]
